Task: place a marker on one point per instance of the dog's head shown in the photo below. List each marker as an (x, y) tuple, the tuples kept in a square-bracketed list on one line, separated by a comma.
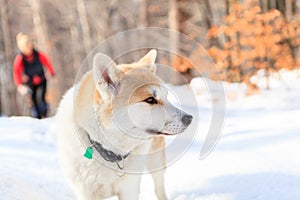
[(133, 98)]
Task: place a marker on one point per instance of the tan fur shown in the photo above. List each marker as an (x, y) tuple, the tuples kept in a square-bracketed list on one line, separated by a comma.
[(94, 106), (132, 91), (140, 94), (157, 144)]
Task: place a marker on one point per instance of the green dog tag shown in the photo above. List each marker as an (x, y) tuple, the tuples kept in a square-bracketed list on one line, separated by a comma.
[(89, 153)]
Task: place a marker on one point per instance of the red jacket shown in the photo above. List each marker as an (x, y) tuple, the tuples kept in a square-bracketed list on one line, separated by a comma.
[(19, 66)]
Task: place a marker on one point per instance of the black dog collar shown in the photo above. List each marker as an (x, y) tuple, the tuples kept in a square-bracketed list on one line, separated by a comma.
[(107, 154)]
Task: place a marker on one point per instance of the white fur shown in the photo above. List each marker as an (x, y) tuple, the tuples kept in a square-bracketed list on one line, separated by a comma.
[(100, 106), (89, 179)]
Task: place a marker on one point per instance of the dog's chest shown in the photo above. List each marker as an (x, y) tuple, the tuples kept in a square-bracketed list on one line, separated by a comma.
[(105, 182)]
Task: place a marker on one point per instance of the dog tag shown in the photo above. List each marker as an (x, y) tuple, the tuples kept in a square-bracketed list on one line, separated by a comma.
[(89, 153), (121, 172)]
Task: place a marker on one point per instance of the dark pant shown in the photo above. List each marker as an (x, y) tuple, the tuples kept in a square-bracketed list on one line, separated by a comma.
[(39, 105)]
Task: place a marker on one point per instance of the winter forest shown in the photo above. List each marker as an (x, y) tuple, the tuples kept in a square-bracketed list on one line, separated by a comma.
[(242, 36), (235, 132)]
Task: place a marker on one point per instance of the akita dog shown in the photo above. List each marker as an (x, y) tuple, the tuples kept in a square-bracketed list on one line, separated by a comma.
[(120, 113)]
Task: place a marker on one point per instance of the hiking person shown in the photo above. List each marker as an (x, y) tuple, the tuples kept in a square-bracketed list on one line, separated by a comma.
[(29, 75)]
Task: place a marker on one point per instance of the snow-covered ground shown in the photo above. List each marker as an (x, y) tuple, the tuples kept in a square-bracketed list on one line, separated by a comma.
[(255, 158)]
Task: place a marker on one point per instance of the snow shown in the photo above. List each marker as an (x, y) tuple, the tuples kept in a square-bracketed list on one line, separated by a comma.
[(255, 158)]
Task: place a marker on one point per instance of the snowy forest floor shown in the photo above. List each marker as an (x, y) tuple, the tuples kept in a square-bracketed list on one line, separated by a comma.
[(257, 156)]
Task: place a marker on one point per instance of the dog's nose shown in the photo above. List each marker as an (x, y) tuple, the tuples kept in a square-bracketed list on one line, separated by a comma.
[(187, 119)]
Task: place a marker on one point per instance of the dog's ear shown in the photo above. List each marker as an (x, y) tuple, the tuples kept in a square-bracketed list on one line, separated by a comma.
[(106, 74), (149, 60)]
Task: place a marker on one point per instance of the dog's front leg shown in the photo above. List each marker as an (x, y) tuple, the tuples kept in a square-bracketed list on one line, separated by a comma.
[(130, 188), (84, 196), (158, 162), (127, 195), (159, 185)]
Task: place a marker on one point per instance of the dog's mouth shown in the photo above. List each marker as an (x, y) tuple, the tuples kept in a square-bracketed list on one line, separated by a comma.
[(162, 133), (155, 132)]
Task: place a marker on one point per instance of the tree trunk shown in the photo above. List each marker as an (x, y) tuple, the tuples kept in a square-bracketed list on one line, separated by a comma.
[(174, 36), (143, 14), (173, 24), (208, 18), (75, 49), (271, 4), (264, 5), (41, 32), (85, 25), (294, 7), (8, 93), (289, 9), (227, 5), (209, 13), (39, 25), (102, 26), (297, 7), (280, 5)]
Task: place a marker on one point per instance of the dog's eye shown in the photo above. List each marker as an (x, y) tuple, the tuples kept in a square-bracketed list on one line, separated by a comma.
[(151, 100)]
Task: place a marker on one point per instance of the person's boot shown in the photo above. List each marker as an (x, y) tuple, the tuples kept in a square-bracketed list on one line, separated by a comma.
[(43, 108), (34, 113)]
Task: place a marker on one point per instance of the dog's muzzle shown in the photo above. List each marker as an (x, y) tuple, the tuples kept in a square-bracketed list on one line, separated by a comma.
[(171, 128)]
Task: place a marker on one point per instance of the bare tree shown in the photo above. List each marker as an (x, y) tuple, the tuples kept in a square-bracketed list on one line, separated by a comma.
[(67, 33), (38, 24), (174, 36), (143, 13), (173, 24), (8, 93), (84, 24), (290, 9), (41, 33), (75, 47)]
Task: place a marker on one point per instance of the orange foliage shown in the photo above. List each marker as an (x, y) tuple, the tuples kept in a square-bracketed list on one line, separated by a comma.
[(181, 64), (254, 40)]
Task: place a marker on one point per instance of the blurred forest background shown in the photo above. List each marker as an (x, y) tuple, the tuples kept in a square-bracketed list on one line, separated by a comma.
[(242, 36)]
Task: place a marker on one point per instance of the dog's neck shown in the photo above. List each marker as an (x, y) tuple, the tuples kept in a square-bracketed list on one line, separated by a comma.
[(106, 154), (85, 113), (114, 141)]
